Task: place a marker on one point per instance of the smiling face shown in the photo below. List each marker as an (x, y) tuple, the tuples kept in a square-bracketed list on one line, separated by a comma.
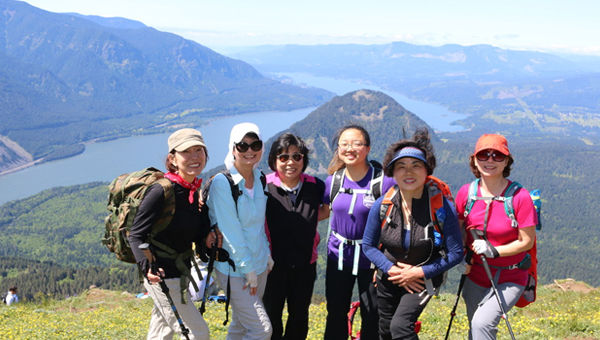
[(352, 148), (410, 175), (248, 158), (290, 170), (489, 167), (189, 162)]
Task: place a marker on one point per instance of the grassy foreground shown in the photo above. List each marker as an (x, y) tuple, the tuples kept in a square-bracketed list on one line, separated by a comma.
[(571, 311)]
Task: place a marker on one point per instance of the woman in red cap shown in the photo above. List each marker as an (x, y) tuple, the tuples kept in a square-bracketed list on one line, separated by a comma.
[(503, 240)]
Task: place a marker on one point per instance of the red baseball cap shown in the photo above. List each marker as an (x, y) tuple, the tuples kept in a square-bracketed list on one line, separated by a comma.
[(494, 142)]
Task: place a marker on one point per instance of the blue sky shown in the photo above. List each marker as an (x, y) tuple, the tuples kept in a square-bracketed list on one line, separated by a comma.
[(542, 25)]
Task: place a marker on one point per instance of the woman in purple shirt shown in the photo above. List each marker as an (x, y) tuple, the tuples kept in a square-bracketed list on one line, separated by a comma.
[(350, 207)]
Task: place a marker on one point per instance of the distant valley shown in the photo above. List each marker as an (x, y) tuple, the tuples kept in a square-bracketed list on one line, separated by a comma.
[(66, 80), (518, 93)]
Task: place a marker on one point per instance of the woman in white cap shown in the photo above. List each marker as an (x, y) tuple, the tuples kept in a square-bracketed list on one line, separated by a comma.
[(185, 161), (416, 241), (243, 229)]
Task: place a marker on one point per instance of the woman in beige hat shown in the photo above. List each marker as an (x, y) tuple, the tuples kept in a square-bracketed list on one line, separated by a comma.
[(185, 161)]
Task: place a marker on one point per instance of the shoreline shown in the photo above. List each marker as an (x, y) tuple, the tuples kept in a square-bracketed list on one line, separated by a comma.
[(22, 167)]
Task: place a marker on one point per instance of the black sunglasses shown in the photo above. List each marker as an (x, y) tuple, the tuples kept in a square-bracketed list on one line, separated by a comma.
[(485, 155), (296, 157), (243, 146)]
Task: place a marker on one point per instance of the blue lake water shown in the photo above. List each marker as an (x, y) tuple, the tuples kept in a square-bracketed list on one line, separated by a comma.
[(105, 161)]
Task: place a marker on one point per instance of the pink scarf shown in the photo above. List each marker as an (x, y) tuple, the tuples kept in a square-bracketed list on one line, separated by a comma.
[(195, 185)]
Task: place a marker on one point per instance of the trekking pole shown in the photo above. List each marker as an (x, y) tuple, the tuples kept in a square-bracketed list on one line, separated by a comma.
[(211, 265), (486, 266), (463, 277), (145, 247)]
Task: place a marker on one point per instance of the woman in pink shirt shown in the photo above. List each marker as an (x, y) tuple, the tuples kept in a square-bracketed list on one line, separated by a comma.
[(505, 241)]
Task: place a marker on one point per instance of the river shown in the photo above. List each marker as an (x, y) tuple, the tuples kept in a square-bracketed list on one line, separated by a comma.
[(105, 161)]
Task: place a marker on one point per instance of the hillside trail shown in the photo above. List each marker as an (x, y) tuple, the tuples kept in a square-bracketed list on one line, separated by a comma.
[(570, 285)]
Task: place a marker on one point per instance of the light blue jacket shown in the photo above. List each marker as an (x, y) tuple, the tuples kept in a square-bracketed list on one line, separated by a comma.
[(243, 230)]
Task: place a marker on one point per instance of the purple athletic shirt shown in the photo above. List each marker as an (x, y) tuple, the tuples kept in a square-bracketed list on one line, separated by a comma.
[(351, 226)]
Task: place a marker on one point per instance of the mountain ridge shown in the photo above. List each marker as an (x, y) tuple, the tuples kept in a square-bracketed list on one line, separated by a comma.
[(72, 80)]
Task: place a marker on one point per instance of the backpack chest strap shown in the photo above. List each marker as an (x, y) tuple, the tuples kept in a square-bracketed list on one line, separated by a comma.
[(355, 193), (508, 207)]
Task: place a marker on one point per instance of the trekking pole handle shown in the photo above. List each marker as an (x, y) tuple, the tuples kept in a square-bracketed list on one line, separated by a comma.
[(145, 247), (477, 236)]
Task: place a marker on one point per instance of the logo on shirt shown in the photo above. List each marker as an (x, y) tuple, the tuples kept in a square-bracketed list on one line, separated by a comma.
[(368, 200)]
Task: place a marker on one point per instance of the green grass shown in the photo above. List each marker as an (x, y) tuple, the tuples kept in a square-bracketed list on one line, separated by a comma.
[(101, 314)]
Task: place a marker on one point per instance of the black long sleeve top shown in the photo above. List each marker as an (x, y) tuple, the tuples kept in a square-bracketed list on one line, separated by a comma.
[(188, 225)]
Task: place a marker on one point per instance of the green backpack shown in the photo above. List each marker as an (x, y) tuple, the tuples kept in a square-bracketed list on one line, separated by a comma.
[(126, 193)]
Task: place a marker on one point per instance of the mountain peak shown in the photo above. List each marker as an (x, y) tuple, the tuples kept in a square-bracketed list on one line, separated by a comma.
[(384, 119)]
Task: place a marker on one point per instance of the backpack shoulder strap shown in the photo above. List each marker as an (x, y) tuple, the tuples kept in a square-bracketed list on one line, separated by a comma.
[(168, 207), (336, 184), (509, 207), (377, 182), (263, 181), (472, 197), (235, 189), (387, 206)]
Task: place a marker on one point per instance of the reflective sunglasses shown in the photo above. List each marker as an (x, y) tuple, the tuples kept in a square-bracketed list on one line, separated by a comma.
[(243, 146), (296, 157), (485, 155)]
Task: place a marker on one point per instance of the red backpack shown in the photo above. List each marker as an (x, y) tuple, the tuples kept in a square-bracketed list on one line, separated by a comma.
[(437, 191)]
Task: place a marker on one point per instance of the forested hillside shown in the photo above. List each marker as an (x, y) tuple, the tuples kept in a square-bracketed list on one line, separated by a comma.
[(66, 80), (64, 225)]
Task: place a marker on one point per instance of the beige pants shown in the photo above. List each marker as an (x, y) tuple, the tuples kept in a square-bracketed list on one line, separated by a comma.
[(164, 324), (249, 319)]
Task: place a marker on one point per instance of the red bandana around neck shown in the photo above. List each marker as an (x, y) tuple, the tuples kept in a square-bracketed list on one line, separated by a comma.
[(194, 186)]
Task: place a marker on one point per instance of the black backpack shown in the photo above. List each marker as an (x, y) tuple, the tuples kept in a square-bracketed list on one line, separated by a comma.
[(375, 185), (221, 255), (235, 189)]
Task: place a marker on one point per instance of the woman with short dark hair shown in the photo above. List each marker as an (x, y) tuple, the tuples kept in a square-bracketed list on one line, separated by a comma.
[(294, 208)]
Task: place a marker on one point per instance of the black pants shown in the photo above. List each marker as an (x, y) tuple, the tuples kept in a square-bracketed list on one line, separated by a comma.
[(399, 310), (296, 286), (339, 285)]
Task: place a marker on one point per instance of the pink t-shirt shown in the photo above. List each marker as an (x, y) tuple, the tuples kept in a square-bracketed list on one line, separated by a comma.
[(499, 232)]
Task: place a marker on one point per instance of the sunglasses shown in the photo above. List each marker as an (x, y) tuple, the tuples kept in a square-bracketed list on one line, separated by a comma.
[(485, 155), (296, 157), (243, 146)]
